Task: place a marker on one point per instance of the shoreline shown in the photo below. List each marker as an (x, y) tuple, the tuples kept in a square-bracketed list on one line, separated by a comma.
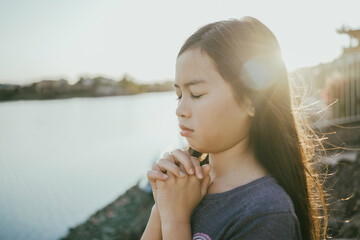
[(127, 216)]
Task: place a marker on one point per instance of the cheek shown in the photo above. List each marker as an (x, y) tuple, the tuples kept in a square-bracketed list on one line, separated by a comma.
[(206, 118), (208, 128), (239, 122), (220, 128), (205, 125)]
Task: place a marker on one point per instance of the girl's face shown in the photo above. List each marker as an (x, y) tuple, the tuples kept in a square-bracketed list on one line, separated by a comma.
[(207, 106)]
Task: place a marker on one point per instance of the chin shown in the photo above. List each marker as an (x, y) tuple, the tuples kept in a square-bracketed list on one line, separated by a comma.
[(194, 147), (201, 146), (198, 148)]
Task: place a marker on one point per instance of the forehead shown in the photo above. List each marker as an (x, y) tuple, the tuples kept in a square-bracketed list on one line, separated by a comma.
[(195, 66)]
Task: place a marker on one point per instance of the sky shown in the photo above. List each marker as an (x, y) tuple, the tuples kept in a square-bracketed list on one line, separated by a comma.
[(48, 39)]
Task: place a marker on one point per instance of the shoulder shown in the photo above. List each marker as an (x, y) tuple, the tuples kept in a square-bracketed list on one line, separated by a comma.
[(267, 196), (261, 196), (247, 212), (269, 214)]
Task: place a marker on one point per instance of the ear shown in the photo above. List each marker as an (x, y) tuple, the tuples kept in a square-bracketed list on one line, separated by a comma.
[(249, 106)]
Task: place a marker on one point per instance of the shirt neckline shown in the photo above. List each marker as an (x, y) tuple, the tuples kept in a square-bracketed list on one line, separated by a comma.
[(214, 196)]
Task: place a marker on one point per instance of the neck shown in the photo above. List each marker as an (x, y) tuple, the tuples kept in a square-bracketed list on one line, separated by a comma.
[(235, 166)]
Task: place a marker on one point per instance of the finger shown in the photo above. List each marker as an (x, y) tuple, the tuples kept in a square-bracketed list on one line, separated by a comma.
[(158, 167), (151, 181), (154, 175), (206, 169), (205, 185), (155, 166), (166, 165), (182, 168), (183, 157), (170, 157), (198, 168)]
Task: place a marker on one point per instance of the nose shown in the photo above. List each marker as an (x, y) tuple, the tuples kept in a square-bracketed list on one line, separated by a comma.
[(183, 109)]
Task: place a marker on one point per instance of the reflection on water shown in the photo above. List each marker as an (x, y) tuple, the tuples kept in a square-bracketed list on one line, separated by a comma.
[(61, 160)]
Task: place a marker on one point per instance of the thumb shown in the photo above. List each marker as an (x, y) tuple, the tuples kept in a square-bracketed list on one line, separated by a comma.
[(204, 185), (206, 169)]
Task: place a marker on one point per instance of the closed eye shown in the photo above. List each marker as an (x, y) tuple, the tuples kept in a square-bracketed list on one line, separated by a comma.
[(192, 95)]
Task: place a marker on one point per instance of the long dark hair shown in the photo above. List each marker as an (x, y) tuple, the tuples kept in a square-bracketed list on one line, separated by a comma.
[(247, 55)]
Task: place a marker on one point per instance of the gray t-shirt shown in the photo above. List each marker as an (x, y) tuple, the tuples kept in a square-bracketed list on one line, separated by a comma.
[(260, 209)]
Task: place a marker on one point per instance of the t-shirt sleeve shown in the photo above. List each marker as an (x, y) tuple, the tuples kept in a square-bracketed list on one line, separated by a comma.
[(270, 226)]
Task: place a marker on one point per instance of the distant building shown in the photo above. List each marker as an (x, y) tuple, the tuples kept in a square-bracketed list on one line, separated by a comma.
[(354, 35), (339, 82)]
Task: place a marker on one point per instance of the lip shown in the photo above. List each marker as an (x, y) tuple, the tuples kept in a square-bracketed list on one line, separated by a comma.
[(185, 128), (185, 131)]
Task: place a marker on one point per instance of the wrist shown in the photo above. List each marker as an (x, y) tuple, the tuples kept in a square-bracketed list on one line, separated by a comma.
[(153, 227), (171, 220), (174, 216), (155, 211), (176, 230)]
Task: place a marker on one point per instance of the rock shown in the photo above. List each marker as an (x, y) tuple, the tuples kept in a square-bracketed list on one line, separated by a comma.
[(343, 188), (125, 218)]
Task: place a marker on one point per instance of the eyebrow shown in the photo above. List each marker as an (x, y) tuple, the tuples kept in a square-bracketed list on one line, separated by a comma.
[(193, 82)]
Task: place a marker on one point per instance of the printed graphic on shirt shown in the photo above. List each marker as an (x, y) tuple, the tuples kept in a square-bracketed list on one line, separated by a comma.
[(201, 236)]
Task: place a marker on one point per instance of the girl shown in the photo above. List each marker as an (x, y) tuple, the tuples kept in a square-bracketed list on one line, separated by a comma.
[(235, 108)]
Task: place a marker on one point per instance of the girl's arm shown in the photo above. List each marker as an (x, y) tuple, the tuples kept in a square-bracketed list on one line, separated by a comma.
[(168, 230), (176, 199), (176, 230), (153, 227)]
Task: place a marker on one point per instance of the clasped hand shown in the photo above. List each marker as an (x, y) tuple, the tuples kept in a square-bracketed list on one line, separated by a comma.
[(179, 183)]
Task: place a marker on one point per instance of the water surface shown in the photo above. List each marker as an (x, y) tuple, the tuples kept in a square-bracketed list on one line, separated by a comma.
[(61, 160)]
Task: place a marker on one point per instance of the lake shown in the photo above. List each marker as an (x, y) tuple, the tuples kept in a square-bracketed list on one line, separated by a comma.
[(61, 160)]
